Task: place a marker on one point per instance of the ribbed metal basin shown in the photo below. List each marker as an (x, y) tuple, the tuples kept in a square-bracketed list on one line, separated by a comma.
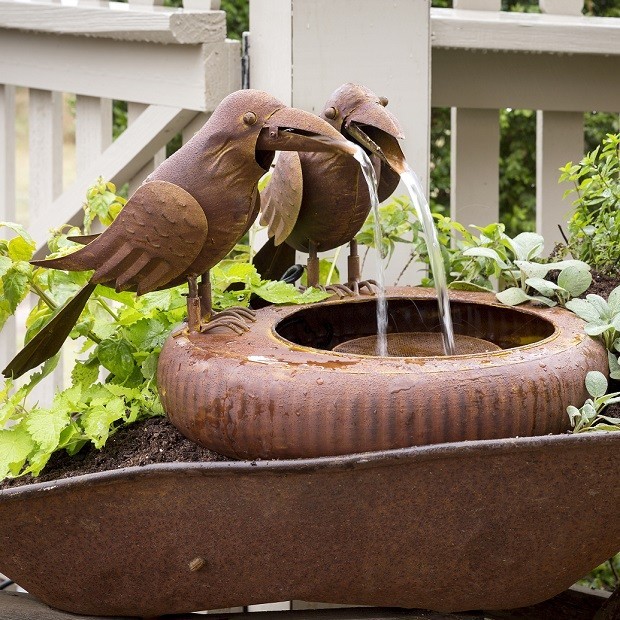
[(475, 525), (281, 391)]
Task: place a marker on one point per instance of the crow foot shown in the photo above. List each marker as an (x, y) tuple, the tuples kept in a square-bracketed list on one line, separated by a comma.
[(369, 286), (341, 290), (237, 319)]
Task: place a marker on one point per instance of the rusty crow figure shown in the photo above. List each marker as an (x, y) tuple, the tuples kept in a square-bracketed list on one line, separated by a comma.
[(187, 215), (318, 201)]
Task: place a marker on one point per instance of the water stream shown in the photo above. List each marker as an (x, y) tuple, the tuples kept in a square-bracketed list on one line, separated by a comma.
[(414, 187), (382, 317), (423, 212)]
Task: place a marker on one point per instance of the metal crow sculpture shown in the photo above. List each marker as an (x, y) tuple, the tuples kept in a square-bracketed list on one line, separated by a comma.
[(318, 201), (187, 215)]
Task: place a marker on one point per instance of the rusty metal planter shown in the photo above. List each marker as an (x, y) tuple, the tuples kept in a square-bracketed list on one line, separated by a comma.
[(474, 525), (279, 391)]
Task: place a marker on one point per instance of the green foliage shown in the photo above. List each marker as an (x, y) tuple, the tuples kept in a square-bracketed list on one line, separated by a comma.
[(589, 417), (594, 227), (605, 576), (602, 317), (102, 203), (122, 336)]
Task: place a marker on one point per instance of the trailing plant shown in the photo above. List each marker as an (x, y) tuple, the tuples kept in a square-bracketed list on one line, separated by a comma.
[(120, 335), (474, 259), (589, 416), (602, 317), (594, 227)]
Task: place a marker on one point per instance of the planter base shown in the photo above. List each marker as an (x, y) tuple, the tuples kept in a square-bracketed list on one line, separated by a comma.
[(496, 524)]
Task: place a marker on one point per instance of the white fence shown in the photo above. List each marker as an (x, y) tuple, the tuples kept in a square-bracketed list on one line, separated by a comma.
[(174, 65)]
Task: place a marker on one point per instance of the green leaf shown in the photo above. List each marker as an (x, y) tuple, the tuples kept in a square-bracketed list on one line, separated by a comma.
[(583, 309), (15, 447), (600, 305), (461, 285), (486, 253), (15, 284), (85, 373), (533, 270), (528, 245), (45, 426), (544, 287), (614, 300), (614, 365), (596, 383), (19, 230), (5, 265), (545, 301), (596, 329), (575, 280), (149, 366), (513, 296), (277, 292), (96, 421), (147, 334), (116, 356), (21, 249)]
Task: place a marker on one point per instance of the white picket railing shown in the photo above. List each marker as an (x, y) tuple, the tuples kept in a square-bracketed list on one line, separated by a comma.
[(474, 59), (174, 65)]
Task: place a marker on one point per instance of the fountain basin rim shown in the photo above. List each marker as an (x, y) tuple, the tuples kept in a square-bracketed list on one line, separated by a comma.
[(379, 458), (421, 294)]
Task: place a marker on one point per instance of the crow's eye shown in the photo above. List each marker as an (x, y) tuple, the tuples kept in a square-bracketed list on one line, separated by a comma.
[(331, 114), (249, 118)]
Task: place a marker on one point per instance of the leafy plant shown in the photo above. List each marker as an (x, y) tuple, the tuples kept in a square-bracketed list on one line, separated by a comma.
[(121, 335), (594, 227), (602, 317), (589, 417)]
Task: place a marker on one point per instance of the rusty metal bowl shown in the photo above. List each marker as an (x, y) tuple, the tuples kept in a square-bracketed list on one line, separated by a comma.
[(282, 391), (474, 525)]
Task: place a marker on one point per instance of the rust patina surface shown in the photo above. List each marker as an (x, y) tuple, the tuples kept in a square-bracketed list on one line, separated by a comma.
[(474, 525), (279, 391)]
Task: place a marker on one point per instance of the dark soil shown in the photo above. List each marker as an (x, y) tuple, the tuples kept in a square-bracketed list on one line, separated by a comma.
[(152, 441), (603, 284)]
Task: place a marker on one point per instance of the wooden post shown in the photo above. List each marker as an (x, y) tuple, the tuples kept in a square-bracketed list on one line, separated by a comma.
[(559, 138), (302, 50), (133, 112), (45, 184), (7, 197), (93, 129), (474, 163), (474, 166)]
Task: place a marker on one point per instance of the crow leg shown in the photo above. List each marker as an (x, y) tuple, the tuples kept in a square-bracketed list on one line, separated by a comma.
[(193, 305), (236, 318), (354, 275), (313, 265), (341, 290)]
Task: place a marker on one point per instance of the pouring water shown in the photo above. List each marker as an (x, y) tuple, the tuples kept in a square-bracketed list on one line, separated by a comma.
[(371, 180)]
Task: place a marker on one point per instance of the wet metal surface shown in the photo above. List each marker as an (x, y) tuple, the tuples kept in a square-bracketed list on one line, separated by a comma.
[(474, 525), (281, 392)]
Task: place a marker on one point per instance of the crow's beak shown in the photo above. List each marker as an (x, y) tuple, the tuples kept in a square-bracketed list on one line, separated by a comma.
[(377, 130), (290, 129)]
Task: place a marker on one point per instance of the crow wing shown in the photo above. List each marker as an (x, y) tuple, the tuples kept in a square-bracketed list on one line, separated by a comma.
[(154, 240), (281, 199)]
